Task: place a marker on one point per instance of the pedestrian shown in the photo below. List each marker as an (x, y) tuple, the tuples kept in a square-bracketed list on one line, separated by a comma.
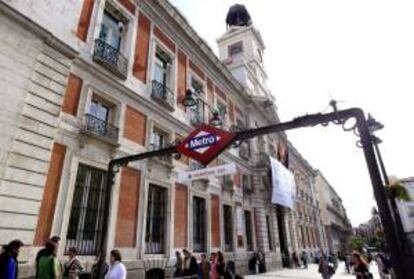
[(178, 264), (262, 260), (190, 267), (220, 265), (384, 266), (325, 269), (304, 258), (361, 267), (96, 271), (73, 267), (46, 252), (348, 261), (116, 269), (295, 260), (9, 265), (204, 268), (47, 266), (213, 266), (253, 262)]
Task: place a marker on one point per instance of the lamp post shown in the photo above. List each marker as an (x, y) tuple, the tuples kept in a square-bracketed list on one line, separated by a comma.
[(190, 100), (373, 126)]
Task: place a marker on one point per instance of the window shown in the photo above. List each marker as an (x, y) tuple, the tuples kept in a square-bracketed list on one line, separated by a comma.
[(235, 49), (86, 215), (162, 67), (228, 228), (248, 224), (111, 30), (199, 224), (155, 225), (159, 139), (221, 107), (198, 112), (269, 233)]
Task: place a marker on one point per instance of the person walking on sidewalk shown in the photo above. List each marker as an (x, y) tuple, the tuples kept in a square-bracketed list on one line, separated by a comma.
[(178, 264), (73, 267), (213, 266), (48, 267), (361, 267), (325, 269), (8, 260), (304, 258), (116, 269), (295, 260), (190, 267), (204, 268)]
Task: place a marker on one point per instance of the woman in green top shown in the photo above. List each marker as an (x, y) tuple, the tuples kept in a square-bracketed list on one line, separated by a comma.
[(47, 266)]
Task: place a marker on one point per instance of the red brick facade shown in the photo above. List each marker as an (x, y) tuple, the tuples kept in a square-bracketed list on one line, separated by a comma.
[(180, 216), (135, 125), (85, 19), (50, 194), (126, 225), (215, 220), (72, 95), (140, 66)]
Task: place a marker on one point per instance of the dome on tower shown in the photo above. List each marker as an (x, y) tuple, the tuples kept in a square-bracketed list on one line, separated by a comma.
[(238, 16)]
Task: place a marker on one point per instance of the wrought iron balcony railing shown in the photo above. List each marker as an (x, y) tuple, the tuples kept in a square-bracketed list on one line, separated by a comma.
[(99, 127), (163, 95), (110, 58)]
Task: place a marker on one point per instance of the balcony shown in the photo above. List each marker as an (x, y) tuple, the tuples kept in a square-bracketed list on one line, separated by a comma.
[(162, 95), (100, 128), (110, 58)]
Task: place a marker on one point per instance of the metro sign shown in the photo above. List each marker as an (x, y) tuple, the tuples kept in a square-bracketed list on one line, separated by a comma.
[(205, 143)]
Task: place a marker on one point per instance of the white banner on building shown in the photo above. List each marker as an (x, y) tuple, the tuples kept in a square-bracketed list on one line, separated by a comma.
[(283, 184), (239, 216), (185, 176)]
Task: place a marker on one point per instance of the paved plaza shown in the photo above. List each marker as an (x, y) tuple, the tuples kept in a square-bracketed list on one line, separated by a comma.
[(310, 273)]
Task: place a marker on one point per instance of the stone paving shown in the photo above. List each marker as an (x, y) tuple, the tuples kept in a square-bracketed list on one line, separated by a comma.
[(310, 273)]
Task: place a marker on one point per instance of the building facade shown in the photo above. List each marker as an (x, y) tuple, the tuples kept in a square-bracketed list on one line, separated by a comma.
[(336, 224), (86, 81), (406, 209), (306, 222)]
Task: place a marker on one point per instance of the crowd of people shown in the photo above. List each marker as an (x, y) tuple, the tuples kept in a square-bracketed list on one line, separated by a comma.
[(49, 267), (187, 266)]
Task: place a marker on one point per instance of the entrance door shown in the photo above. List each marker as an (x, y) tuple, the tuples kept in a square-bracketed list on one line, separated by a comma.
[(284, 250)]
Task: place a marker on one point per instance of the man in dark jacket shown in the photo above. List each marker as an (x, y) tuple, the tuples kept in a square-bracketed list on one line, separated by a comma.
[(190, 264)]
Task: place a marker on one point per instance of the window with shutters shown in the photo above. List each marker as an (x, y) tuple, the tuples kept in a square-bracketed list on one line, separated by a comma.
[(269, 233), (156, 220), (228, 228), (110, 45), (248, 225), (87, 211), (199, 224), (162, 78)]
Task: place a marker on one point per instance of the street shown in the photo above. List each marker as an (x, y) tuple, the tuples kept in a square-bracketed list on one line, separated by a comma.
[(310, 273)]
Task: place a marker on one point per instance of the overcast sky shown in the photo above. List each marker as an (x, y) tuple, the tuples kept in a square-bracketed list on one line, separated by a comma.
[(360, 52)]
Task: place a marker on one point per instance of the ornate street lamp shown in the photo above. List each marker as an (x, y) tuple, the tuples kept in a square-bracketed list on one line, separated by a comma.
[(190, 100)]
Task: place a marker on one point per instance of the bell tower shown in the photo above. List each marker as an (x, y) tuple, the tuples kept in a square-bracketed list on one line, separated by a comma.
[(241, 49)]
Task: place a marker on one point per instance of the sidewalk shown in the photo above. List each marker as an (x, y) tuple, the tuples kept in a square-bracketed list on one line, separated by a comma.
[(310, 273)]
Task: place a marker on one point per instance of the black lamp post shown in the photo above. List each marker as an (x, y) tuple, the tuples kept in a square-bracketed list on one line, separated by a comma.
[(190, 101), (373, 126)]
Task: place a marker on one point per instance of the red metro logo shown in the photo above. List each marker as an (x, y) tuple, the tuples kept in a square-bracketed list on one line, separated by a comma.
[(205, 143)]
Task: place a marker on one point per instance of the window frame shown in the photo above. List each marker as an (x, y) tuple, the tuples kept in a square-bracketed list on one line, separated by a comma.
[(163, 218), (228, 228), (199, 218)]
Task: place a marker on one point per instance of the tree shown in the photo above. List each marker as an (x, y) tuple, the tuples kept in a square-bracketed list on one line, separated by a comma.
[(357, 242)]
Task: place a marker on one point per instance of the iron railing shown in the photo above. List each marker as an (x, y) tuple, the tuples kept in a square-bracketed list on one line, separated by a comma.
[(86, 217), (109, 57), (163, 95), (99, 127)]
